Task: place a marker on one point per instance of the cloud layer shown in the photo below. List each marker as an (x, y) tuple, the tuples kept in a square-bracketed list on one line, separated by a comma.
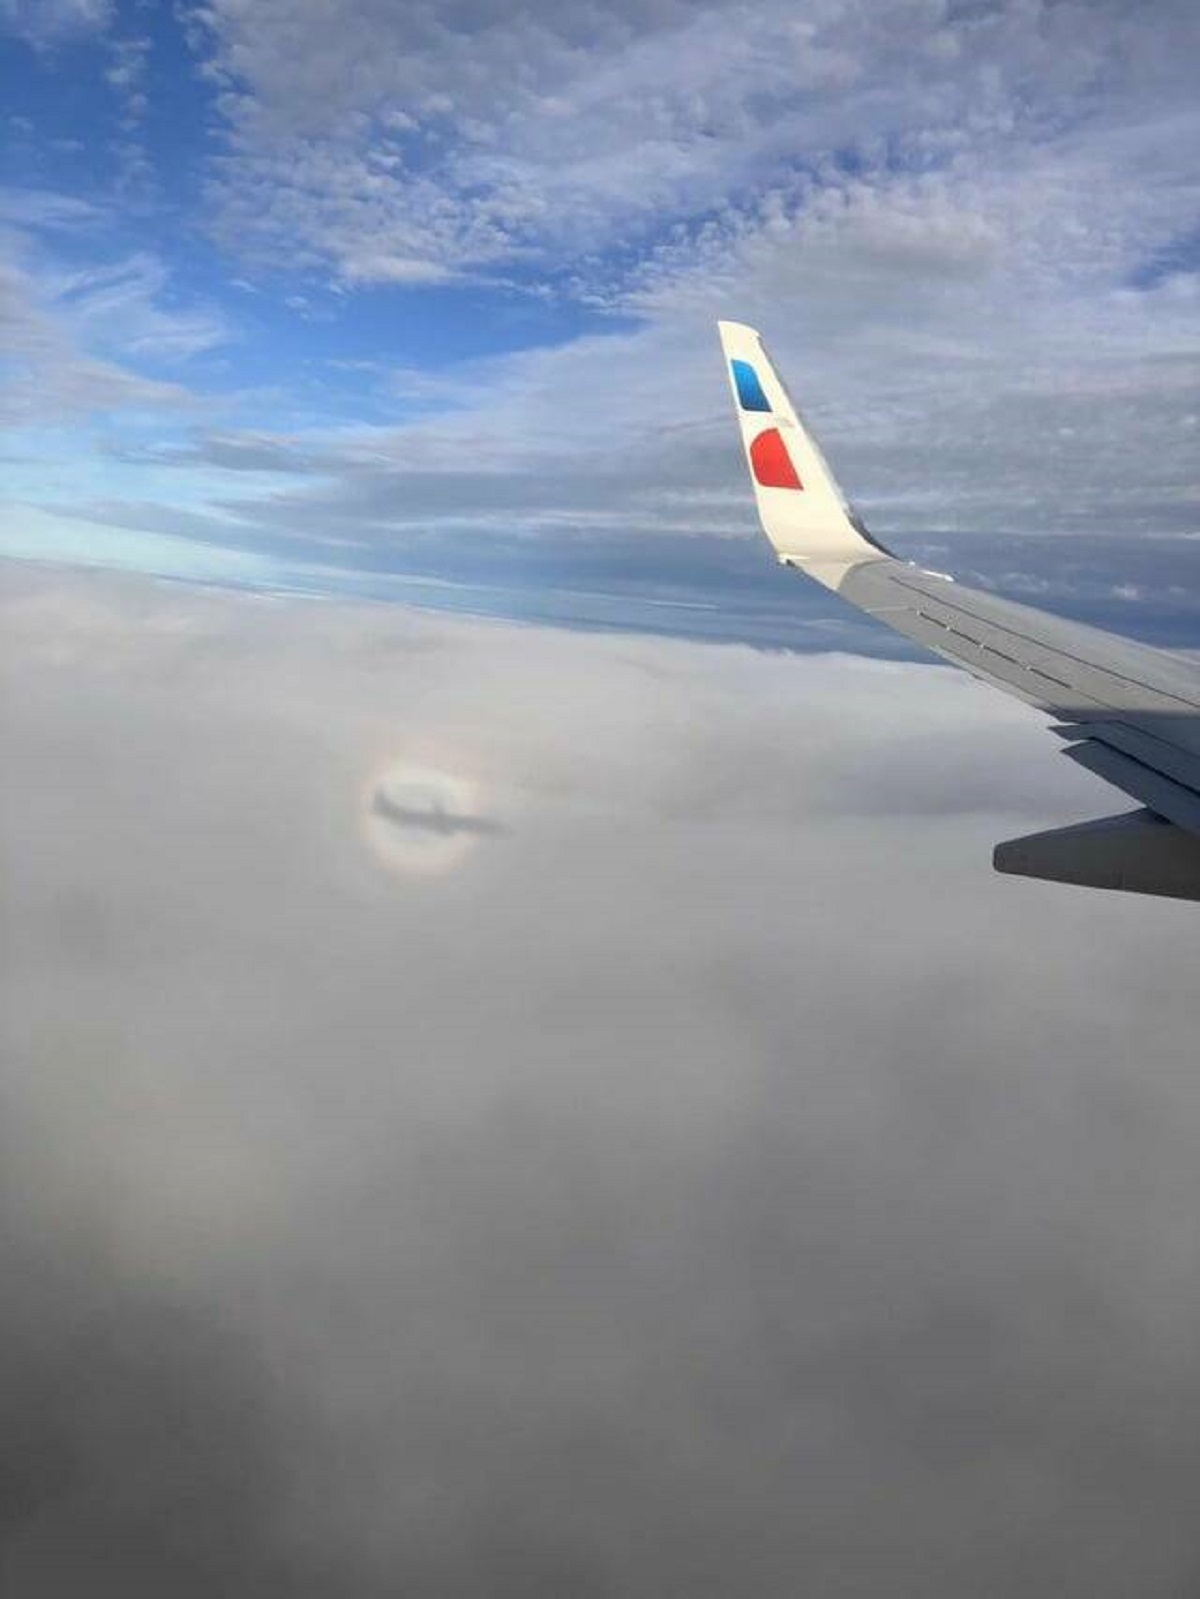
[(396, 144), (716, 1181), (433, 275)]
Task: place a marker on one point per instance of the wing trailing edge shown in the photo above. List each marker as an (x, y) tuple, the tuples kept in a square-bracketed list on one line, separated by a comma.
[(1137, 851)]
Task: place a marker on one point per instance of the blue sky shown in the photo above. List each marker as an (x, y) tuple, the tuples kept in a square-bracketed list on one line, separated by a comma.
[(416, 301)]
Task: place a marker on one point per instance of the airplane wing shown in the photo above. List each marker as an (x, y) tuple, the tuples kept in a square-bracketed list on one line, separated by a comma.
[(1128, 713)]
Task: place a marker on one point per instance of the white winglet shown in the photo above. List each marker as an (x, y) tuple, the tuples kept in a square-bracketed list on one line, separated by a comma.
[(800, 505)]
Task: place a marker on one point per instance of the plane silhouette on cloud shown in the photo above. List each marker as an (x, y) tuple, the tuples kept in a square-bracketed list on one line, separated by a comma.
[(434, 818)]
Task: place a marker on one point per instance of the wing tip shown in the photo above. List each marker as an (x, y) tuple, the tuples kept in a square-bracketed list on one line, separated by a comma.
[(732, 330)]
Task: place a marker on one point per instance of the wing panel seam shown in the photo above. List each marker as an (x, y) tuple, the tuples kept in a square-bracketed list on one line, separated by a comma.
[(1051, 649)]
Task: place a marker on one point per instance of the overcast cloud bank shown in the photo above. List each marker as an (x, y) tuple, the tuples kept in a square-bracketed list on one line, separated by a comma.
[(704, 1175)]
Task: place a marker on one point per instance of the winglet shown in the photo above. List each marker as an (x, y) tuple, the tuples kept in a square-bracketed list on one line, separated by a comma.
[(801, 508)]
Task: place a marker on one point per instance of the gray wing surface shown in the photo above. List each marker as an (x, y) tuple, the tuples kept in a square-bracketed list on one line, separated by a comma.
[(1127, 713)]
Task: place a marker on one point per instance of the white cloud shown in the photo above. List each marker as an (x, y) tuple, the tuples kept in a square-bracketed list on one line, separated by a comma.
[(937, 213), (719, 1182), (46, 210), (958, 226), (47, 22), (124, 306), (48, 376), (953, 385), (97, 338), (379, 138)]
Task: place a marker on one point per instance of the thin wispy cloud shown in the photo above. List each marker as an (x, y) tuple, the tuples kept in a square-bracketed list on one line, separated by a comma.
[(44, 23)]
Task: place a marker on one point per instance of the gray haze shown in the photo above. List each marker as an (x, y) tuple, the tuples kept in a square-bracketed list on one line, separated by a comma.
[(701, 1177)]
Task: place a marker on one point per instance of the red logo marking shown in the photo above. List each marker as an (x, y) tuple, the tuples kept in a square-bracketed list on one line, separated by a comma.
[(771, 462)]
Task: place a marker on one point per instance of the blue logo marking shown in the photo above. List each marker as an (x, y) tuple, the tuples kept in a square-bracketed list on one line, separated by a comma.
[(749, 389)]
